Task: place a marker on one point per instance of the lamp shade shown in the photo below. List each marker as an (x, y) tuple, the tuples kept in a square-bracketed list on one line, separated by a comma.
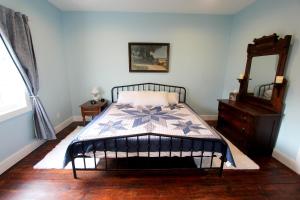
[(95, 91), (95, 94)]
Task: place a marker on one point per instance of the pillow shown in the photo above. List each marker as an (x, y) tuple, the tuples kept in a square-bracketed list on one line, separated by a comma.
[(173, 98), (127, 97), (145, 98)]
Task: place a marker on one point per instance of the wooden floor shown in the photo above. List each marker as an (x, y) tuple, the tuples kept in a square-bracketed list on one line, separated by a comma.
[(272, 181)]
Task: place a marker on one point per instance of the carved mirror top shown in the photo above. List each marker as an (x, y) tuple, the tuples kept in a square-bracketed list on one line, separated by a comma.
[(266, 60)]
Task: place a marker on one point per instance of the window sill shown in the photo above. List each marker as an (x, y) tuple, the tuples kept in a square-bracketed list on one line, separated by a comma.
[(15, 113)]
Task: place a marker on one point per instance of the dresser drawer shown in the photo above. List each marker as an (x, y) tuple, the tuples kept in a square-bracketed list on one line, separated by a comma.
[(240, 126), (237, 120), (236, 114)]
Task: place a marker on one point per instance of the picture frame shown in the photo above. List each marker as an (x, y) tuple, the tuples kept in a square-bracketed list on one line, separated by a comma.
[(233, 96), (148, 57)]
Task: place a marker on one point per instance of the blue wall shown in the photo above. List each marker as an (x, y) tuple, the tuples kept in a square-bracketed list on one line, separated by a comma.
[(46, 27), (264, 18), (97, 45)]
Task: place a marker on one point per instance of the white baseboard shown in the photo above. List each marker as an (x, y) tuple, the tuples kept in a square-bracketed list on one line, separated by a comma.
[(77, 118), (19, 155), (63, 125), (298, 161), (290, 163)]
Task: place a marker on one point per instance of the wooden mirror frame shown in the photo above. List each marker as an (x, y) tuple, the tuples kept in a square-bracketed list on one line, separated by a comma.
[(264, 46)]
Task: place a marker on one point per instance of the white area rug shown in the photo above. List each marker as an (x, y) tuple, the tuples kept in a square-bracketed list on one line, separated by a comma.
[(242, 161), (54, 159)]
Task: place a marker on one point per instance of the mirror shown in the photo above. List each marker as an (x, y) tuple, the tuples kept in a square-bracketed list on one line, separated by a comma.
[(262, 75), (266, 59)]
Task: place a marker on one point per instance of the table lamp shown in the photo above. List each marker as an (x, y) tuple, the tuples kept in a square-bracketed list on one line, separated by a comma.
[(95, 95)]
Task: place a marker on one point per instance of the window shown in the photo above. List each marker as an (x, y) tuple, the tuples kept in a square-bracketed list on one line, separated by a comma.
[(13, 95)]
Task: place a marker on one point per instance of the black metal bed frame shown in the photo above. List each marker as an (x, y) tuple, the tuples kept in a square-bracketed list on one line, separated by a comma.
[(179, 140), (262, 88)]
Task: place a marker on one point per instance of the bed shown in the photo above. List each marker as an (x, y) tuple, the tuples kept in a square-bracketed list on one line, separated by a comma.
[(126, 130)]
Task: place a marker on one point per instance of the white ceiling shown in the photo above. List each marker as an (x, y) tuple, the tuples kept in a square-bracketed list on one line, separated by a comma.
[(164, 6)]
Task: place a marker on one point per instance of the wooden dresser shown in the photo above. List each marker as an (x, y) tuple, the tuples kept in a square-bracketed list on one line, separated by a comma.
[(252, 129), (252, 121)]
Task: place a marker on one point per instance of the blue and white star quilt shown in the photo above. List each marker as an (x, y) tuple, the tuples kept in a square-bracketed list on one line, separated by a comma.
[(125, 119)]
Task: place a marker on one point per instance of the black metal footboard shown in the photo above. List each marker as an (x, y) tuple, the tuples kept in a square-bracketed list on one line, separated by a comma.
[(150, 145)]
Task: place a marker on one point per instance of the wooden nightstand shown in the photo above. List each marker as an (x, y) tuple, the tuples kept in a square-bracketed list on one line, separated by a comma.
[(88, 109)]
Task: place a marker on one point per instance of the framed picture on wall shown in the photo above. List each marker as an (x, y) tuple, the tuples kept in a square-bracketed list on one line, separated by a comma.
[(148, 57)]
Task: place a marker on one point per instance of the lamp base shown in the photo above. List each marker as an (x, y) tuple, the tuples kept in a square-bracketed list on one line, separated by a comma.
[(93, 102)]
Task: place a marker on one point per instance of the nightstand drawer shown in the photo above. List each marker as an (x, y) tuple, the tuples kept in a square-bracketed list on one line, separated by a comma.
[(90, 109), (91, 112)]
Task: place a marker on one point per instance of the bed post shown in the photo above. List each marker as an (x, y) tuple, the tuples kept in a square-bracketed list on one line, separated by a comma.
[(73, 163), (74, 169), (224, 149)]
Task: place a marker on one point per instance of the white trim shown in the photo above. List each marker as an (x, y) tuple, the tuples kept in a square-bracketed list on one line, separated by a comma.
[(15, 113), (209, 117), (286, 160), (63, 125), (298, 161), (77, 118), (19, 155)]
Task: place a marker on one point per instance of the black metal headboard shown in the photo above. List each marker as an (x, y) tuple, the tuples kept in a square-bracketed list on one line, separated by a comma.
[(149, 87)]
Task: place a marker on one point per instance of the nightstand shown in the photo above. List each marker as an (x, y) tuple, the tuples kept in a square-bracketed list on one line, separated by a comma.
[(88, 109)]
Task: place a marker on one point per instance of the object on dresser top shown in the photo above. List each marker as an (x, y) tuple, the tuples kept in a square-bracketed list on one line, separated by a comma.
[(233, 95), (92, 109), (252, 122)]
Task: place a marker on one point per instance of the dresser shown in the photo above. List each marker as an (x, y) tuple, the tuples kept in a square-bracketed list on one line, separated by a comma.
[(252, 129), (252, 121)]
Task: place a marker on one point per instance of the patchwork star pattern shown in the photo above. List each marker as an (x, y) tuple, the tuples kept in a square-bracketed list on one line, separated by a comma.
[(188, 126), (111, 126), (145, 115)]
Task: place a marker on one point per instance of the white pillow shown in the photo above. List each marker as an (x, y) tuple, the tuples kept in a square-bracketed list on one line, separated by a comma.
[(127, 97), (173, 98), (145, 98)]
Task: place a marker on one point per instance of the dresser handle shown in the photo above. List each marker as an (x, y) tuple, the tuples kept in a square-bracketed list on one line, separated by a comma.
[(243, 130)]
